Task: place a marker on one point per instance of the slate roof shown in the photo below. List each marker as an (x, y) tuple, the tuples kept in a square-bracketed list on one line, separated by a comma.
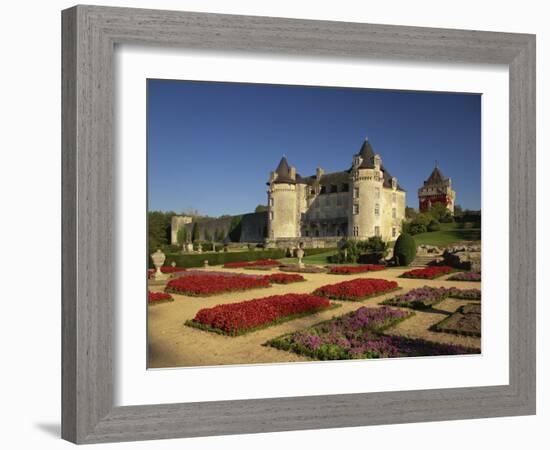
[(283, 172), (367, 154), (436, 177)]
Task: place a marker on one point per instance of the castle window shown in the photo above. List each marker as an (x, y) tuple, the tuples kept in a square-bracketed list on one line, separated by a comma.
[(355, 208), (394, 213), (355, 192), (394, 197), (345, 187), (377, 192), (270, 201), (333, 188), (271, 215), (376, 209), (377, 230), (323, 190), (312, 192), (393, 232)]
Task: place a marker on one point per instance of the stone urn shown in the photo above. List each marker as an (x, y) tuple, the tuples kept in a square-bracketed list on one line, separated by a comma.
[(189, 247), (158, 260), (300, 255), (199, 248), (173, 263), (205, 263)]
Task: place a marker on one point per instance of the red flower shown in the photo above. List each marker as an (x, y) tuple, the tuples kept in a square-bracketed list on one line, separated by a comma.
[(346, 270), (154, 297), (284, 278), (259, 262), (203, 285), (357, 289), (235, 318), (428, 272)]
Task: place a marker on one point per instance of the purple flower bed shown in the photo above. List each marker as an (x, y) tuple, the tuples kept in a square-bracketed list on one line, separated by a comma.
[(358, 335), (426, 297), (466, 276)]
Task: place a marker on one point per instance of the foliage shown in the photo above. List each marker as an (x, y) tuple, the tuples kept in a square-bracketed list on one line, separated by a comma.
[(235, 229), (207, 236), (197, 260), (260, 208), (434, 225), (353, 251), (182, 235), (440, 213), (159, 225), (404, 250), (410, 213), (195, 233)]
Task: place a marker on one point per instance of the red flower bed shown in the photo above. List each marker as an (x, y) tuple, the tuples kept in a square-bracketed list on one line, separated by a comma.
[(259, 262), (284, 278), (167, 269), (158, 297), (357, 289), (428, 272), (236, 318), (204, 285), (347, 270)]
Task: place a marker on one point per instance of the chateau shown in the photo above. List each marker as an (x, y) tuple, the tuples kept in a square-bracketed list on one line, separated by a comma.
[(436, 189), (363, 201)]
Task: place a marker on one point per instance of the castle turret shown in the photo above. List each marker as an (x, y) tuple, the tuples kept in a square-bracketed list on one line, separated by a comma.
[(436, 189), (283, 213), (366, 179)]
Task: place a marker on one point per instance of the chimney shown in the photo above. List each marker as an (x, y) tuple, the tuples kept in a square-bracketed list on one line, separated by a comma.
[(319, 173)]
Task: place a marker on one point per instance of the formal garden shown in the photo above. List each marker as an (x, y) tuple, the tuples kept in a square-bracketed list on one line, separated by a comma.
[(244, 304)]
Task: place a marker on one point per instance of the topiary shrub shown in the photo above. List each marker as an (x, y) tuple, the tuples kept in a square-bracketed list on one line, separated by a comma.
[(404, 251)]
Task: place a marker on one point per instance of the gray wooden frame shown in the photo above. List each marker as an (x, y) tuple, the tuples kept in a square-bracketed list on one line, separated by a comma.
[(89, 36)]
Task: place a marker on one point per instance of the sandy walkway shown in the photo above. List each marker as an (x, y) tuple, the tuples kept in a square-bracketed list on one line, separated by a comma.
[(173, 344)]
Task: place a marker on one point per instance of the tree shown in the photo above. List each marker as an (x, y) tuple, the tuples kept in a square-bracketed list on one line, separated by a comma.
[(159, 226), (182, 235), (195, 234), (404, 250), (410, 213), (260, 208), (458, 210), (207, 236), (440, 213)]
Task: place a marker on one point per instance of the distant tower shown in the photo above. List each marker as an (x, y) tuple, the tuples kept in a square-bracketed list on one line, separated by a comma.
[(283, 216), (436, 189), (366, 180)]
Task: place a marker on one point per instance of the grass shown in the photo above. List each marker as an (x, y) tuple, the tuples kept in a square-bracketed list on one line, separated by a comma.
[(450, 233), (319, 258)]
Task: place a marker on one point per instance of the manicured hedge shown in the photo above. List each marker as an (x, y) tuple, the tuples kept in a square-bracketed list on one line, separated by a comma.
[(215, 259)]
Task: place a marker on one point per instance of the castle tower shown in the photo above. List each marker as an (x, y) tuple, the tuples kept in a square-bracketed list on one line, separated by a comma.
[(283, 211), (366, 180), (436, 189)]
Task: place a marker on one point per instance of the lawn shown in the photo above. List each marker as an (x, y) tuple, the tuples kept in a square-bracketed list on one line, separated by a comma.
[(450, 233), (319, 258)]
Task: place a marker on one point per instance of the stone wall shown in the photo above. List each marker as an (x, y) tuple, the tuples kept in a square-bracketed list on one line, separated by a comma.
[(252, 227)]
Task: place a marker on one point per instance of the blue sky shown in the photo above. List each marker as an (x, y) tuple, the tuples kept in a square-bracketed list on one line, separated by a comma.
[(211, 146)]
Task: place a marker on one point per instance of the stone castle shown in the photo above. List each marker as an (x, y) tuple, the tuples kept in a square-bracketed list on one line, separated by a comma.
[(319, 210), (436, 189), (362, 201)]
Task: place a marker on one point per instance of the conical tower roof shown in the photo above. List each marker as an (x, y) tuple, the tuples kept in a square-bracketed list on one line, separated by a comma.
[(435, 177), (283, 172), (367, 155)]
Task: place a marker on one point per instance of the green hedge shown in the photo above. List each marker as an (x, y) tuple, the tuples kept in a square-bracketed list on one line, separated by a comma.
[(215, 259), (318, 251)]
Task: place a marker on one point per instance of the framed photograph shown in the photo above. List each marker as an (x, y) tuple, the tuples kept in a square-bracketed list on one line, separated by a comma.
[(278, 224)]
